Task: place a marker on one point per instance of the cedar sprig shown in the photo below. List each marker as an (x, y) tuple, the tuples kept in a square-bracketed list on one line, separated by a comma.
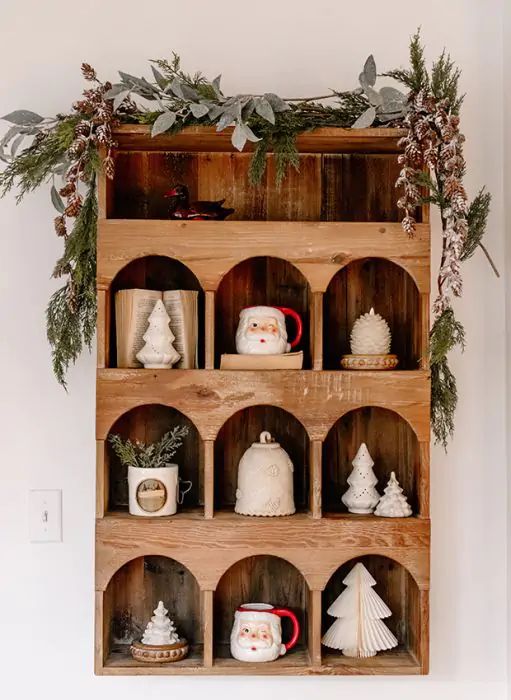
[(149, 456), (71, 312)]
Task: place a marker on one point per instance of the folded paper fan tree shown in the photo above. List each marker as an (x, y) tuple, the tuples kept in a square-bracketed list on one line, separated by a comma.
[(359, 630)]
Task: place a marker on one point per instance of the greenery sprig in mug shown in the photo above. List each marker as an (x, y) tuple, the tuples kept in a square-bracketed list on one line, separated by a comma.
[(149, 456), (65, 152)]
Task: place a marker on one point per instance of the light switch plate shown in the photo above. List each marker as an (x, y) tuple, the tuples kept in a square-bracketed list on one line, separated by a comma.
[(45, 515)]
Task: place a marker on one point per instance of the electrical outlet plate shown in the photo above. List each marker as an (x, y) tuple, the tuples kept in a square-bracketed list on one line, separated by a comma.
[(45, 515)]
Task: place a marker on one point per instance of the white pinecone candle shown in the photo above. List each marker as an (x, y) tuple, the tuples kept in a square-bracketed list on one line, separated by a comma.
[(370, 335)]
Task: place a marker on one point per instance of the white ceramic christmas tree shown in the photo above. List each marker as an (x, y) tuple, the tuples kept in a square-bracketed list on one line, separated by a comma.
[(359, 630), (158, 351), (393, 503), (362, 497), (370, 344), (160, 630)]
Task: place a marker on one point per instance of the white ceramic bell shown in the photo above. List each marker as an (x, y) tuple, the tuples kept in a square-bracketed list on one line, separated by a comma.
[(265, 480)]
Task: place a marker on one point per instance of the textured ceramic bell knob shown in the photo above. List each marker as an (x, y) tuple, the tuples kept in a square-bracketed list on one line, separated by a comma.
[(370, 335)]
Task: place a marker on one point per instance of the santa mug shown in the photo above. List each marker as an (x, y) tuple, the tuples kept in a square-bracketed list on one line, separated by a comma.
[(257, 632), (262, 330)]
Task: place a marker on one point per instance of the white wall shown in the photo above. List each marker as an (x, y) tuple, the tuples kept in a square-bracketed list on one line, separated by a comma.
[(46, 617)]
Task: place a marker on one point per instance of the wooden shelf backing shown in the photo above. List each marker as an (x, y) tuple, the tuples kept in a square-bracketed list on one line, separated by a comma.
[(132, 137)]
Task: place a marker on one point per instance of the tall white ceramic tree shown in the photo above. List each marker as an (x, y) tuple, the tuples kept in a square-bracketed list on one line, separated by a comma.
[(362, 497), (158, 351), (359, 630), (160, 630)]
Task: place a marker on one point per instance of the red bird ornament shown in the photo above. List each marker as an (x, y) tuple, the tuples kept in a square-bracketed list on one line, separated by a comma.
[(181, 207)]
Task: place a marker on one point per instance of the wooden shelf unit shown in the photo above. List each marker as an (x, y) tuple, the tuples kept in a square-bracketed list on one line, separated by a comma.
[(328, 243)]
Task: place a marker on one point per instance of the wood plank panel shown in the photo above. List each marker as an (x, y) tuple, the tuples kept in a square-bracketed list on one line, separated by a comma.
[(316, 399), (226, 175), (327, 140), (211, 249), (209, 547)]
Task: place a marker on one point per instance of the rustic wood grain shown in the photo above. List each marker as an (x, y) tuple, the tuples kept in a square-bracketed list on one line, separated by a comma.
[(209, 547), (211, 249), (133, 137), (316, 399)]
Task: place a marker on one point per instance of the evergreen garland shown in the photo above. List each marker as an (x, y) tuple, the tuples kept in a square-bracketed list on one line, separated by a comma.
[(68, 147)]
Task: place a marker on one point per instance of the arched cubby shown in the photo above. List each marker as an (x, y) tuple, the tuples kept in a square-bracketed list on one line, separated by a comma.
[(265, 281), (398, 589), (159, 273), (148, 423), (133, 593), (391, 291), (261, 579), (392, 444), (240, 431)]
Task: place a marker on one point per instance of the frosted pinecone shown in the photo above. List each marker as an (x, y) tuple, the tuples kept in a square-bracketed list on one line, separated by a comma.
[(370, 335)]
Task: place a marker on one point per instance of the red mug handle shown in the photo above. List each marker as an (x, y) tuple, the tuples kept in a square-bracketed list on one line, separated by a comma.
[(298, 321), (284, 612)]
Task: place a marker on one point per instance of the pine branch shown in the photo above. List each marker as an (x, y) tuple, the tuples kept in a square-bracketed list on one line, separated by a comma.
[(149, 456), (416, 78)]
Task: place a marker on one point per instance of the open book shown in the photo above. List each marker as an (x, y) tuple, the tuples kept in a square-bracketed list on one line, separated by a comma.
[(288, 360), (132, 309)]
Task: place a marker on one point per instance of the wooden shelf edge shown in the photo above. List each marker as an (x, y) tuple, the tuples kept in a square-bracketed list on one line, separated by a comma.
[(133, 137)]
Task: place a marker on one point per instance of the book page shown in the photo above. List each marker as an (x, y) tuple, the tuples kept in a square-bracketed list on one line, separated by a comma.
[(181, 305)]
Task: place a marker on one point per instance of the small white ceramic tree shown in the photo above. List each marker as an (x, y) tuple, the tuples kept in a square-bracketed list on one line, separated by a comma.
[(158, 351), (370, 335), (361, 497), (393, 503), (160, 630), (359, 630)]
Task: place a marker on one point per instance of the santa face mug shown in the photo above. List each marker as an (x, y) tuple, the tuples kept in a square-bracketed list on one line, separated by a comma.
[(257, 632), (262, 330)]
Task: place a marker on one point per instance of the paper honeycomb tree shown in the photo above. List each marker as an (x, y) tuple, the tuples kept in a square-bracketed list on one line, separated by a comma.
[(359, 630), (393, 503), (361, 497), (160, 630), (158, 351)]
